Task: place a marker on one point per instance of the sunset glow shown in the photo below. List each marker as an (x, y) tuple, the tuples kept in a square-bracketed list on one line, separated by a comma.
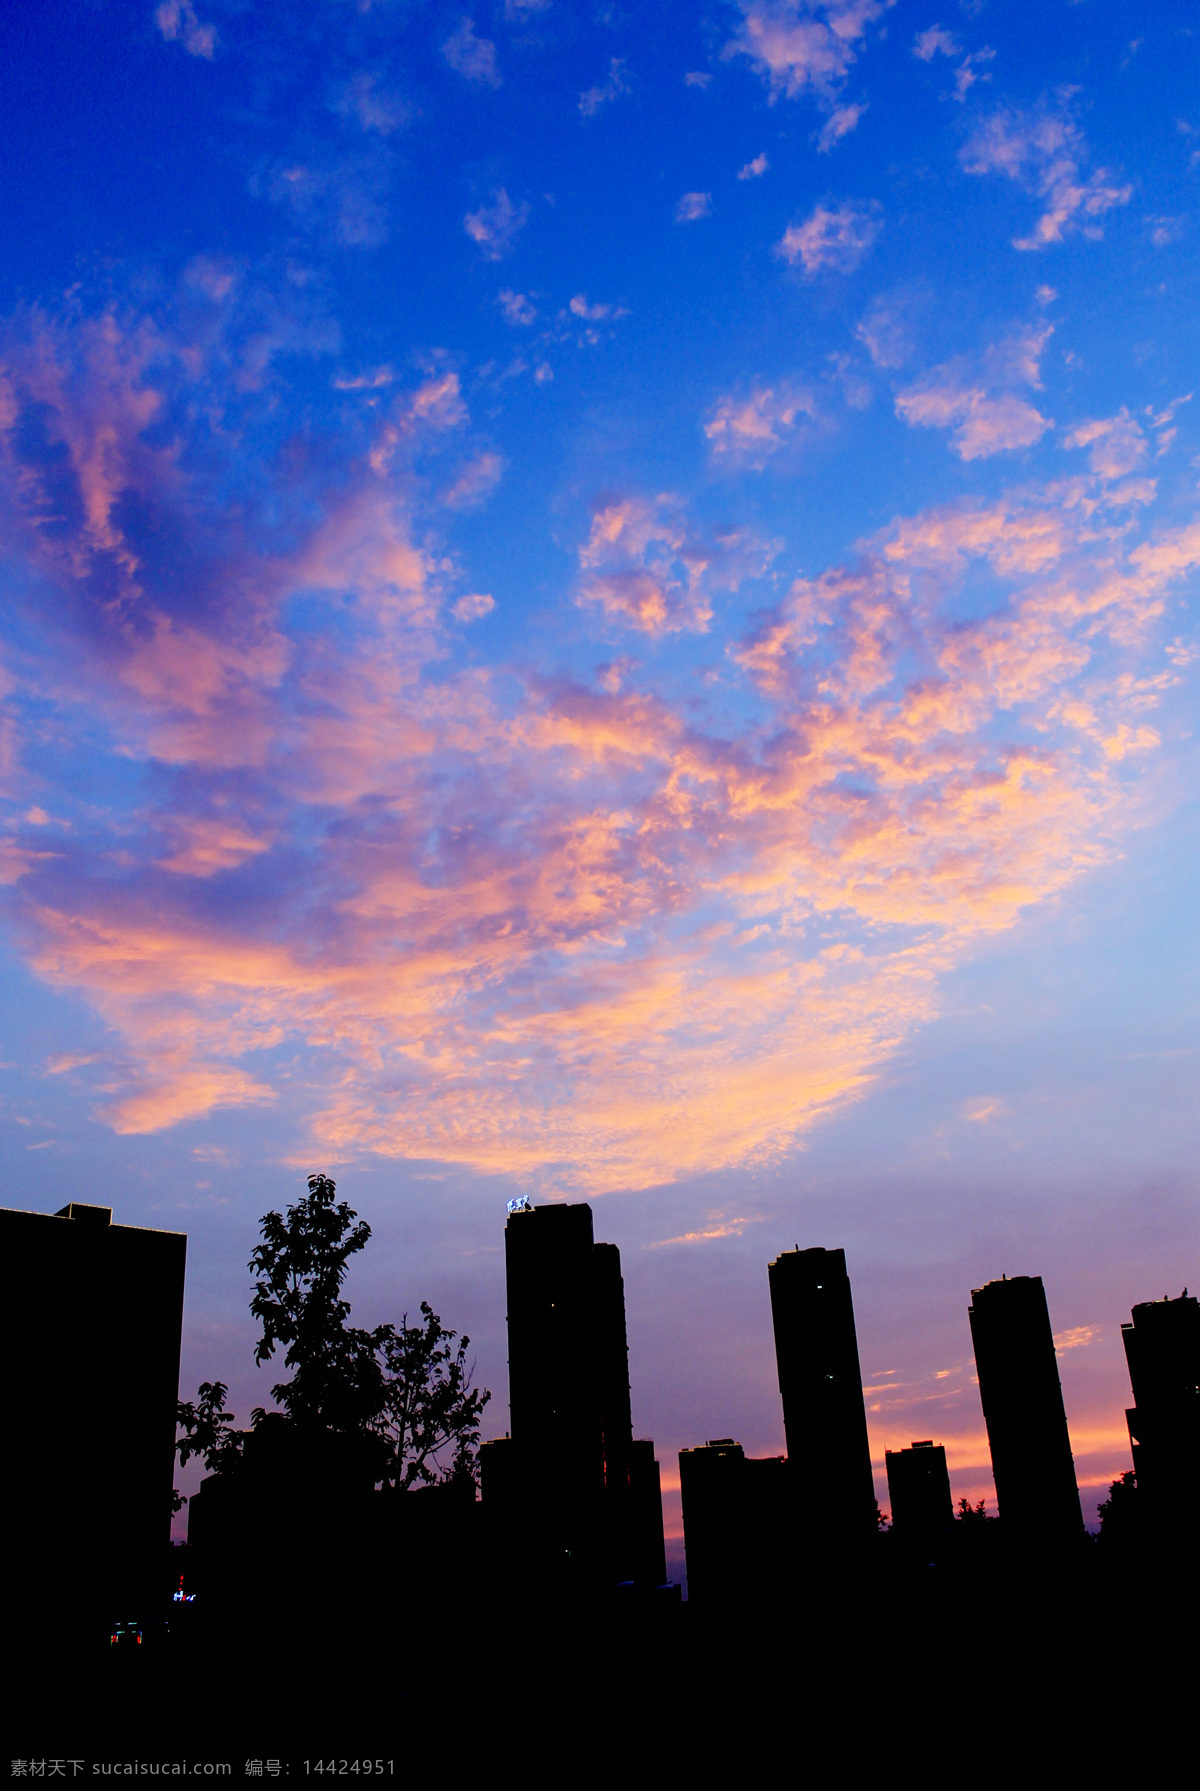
[(602, 606)]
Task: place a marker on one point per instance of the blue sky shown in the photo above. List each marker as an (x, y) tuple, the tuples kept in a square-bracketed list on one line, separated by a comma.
[(598, 601)]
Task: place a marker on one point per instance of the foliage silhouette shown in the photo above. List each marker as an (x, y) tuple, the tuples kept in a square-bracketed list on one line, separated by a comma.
[(428, 1403), (301, 1264), (406, 1392), (208, 1429), (1120, 1514)]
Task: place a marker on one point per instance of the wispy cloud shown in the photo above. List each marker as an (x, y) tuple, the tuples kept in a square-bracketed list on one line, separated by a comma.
[(518, 310), (749, 430), (977, 403), (472, 57), (839, 124), (934, 42), (612, 87), (475, 482), (1117, 444), (692, 206), (375, 107), (177, 21), (804, 46), (1045, 152), (643, 566), (497, 225), (752, 170), (573, 923), (834, 239)]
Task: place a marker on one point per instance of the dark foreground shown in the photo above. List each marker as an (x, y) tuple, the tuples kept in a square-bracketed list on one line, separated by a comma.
[(1008, 1672)]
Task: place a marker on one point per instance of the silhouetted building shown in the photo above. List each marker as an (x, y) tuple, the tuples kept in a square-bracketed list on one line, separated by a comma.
[(919, 1494), (587, 1491), (92, 1315), (1023, 1408), (820, 1382), (1162, 1348), (736, 1522)]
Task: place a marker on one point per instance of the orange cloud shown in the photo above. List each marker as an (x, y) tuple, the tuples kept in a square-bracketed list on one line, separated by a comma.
[(533, 925)]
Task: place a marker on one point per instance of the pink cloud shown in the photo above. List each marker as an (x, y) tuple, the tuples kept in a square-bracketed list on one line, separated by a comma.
[(177, 21), (561, 929), (749, 430), (833, 239), (472, 57), (800, 46), (971, 401), (1046, 152)]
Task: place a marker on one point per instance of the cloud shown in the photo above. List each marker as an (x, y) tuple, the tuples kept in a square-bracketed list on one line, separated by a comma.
[(473, 606), (472, 57), (579, 307), (887, 332), (640, 568), (1077, 1337), (476, 481), (1045, 152), (749, 430), (697, 78), (1164, 230), (933, 42), (800, 46), (833, 239), (965, 76), (374, 107), (579, 933), (982, 424), (692, 206), (613, 86), (1118, 445), (344, 196), (202, 847), (972, 402), (496, 226), (518, 310), (752, 170), (839, 124), (177, 21)]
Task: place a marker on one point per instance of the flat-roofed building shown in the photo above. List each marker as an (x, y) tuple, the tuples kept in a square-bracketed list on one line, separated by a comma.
[(1022, 1401), (824, 1416), (919, 1494), (91, 1326)]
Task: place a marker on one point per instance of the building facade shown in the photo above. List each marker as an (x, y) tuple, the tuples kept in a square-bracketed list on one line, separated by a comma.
[(824, 1416), (91, 1330), (1021, 1394)]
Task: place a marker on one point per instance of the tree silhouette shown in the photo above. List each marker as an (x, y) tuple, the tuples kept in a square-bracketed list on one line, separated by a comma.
[(301, 1264), (1120, 1513), (405, 1392), (208, 1429), (429, 1405)]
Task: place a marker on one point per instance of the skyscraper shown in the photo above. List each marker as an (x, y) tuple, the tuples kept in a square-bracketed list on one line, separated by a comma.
[(736, 1523), (91, 1324), (588, 1489), (919, 1493), (820, 1382), (1023, 1408), (1162, 1348)]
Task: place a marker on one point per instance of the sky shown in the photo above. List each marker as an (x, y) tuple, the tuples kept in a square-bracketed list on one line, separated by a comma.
[(598, 602)]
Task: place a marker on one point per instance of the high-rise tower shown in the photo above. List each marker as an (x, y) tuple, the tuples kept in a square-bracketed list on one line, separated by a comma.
[(820, 1382), (90, 1334), (1162, 1348), (1023, 1408), (588, 1488)]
